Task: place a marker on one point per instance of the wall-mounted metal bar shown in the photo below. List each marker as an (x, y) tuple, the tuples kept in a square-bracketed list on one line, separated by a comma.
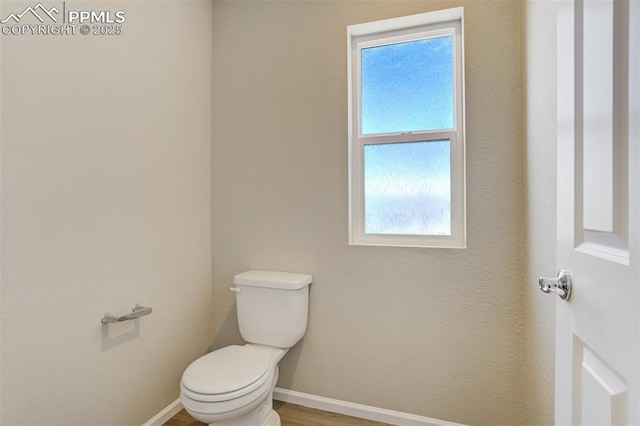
[(137, 312)]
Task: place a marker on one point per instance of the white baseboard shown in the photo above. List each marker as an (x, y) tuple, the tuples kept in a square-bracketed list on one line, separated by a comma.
[(356, 410), (326, 404), (165, 415)]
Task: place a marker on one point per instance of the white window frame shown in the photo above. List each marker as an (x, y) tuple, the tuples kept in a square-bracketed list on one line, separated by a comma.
[(389, 31)]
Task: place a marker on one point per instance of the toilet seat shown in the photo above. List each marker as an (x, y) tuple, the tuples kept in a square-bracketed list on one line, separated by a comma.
[(228, 373)]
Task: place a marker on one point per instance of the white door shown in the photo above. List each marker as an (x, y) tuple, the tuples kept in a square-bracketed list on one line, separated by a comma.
[(597, 328)]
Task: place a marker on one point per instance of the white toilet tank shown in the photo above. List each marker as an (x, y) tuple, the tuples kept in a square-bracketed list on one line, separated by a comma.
[(272, 307)]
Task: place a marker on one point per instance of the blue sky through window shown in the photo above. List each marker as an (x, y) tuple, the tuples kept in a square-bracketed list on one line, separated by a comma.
[(407, 86)]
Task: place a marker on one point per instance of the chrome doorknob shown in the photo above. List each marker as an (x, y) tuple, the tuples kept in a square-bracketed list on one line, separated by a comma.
[(560, 285)]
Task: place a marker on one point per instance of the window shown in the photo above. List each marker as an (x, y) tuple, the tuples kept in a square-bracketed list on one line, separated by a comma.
[(406, 131)]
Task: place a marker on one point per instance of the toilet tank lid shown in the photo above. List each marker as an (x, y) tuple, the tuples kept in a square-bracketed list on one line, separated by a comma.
[(273, 279)]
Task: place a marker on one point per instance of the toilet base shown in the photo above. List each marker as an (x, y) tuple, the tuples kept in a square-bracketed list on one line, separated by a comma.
[(264, 415)]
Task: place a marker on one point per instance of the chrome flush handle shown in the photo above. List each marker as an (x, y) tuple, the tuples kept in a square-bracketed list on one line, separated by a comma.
[(560, 285)]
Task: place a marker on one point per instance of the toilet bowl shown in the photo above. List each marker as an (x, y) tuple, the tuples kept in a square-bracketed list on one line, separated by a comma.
[(232, 383), (233, 386)]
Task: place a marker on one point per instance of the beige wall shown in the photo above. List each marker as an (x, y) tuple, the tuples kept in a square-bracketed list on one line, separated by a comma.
[(105, 203), (539, 138), (434, 332)]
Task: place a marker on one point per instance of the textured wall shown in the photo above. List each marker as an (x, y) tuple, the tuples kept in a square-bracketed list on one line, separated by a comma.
[(434, 332), (105, 203), (539, 136)]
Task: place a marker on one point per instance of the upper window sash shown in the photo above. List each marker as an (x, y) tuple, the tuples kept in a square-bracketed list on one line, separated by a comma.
[(452, 30)]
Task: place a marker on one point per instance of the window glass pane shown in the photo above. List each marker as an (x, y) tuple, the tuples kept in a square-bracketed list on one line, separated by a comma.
[(407, 188), (407, 86)]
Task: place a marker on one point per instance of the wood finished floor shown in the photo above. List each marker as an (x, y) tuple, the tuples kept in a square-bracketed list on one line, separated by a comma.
[(290, 415)]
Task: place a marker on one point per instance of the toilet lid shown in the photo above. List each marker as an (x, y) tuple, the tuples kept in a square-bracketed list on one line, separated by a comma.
[(227, 370)]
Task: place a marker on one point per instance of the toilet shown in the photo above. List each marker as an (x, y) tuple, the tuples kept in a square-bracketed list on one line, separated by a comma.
[(233, 386)]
